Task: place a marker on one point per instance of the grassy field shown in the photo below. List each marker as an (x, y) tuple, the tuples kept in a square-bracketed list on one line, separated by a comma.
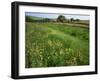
[(56, 44)]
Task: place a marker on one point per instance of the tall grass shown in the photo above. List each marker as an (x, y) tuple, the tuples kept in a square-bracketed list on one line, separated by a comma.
[(51, 45)]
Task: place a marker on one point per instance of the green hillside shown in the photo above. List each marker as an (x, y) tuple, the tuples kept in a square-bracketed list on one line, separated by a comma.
[(56, 44), (32, 18)]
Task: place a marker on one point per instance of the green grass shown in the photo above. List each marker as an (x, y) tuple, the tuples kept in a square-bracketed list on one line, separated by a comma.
[(52, 45)]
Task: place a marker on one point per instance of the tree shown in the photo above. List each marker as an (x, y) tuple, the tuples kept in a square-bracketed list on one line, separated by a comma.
[(71, 19), (47, 20), (77, 20), (61, 18)]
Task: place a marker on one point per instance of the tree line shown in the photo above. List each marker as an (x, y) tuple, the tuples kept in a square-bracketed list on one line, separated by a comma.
[(60, 18)]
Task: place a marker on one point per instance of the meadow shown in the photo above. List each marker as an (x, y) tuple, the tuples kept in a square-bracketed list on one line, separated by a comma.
[(56, 44)]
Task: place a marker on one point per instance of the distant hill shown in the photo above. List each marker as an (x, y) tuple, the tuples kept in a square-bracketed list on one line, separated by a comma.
[(32, 18)]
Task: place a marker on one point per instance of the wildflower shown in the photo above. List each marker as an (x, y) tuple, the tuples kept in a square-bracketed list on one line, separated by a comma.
[(61, 51), (50, 42)]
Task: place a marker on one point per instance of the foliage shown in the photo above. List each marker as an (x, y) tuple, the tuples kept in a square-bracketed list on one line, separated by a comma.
[(52, 45), (29, 19), (61, 18), (71, 19), (77, 20)]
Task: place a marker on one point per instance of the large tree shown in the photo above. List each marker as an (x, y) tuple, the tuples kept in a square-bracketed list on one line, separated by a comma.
[(71, 19), (61, 18)]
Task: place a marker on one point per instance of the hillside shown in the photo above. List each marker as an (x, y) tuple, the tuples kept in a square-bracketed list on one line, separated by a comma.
[(32, 18)]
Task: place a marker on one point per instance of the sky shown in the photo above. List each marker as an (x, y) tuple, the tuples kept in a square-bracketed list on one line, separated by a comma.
[(55, 15)]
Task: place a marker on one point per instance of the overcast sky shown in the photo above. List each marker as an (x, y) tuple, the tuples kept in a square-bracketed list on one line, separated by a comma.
[(53, 15)]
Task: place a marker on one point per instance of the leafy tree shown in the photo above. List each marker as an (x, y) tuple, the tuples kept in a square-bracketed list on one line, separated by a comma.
[(77, 19), (47, 20), (71, 19), (61, 18)]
